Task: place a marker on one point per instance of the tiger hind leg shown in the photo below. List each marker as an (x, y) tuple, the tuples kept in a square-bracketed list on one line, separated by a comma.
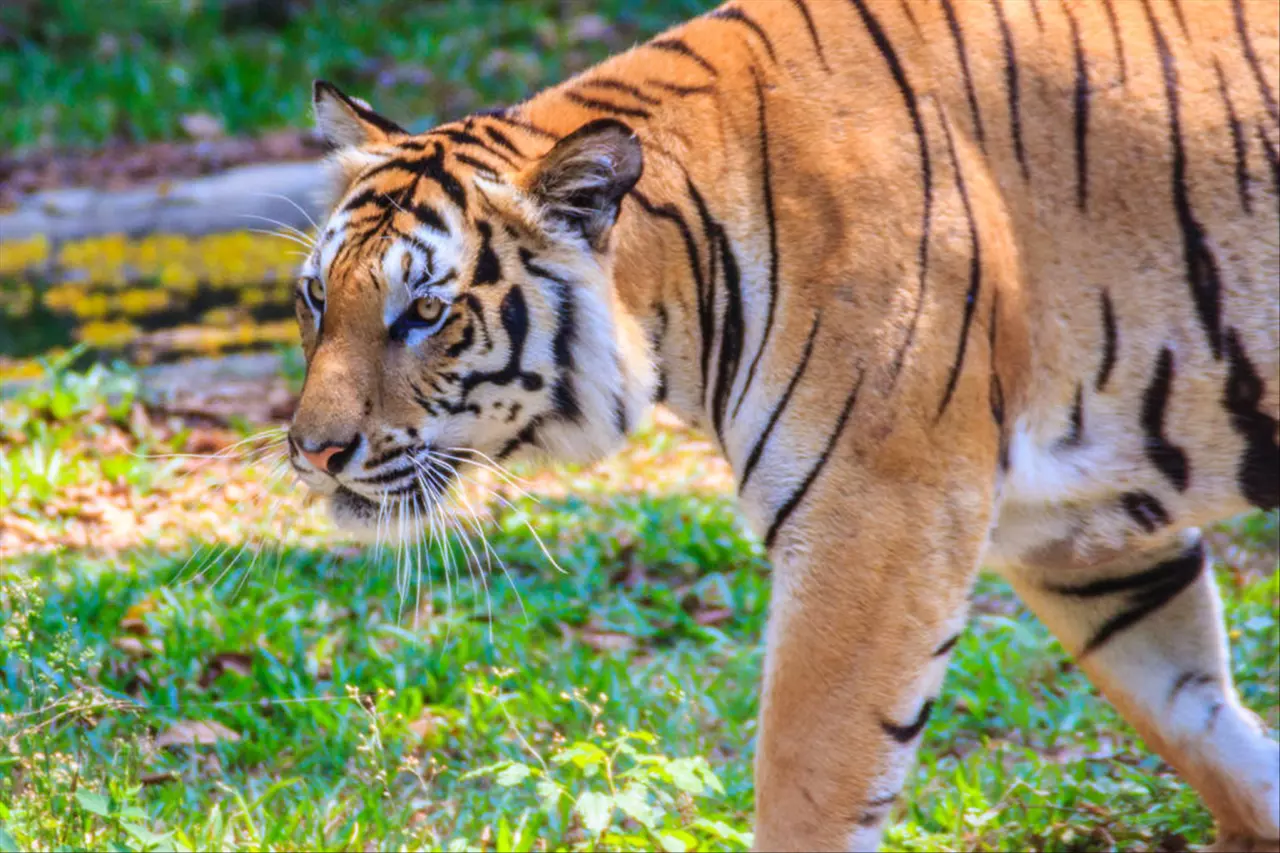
[(1148, 631)]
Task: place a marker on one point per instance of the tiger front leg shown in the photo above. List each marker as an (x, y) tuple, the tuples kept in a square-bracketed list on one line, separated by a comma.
[(871, 579)]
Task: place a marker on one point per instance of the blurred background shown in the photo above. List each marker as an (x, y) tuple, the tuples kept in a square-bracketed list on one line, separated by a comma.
[(191, 658), (145, 145)]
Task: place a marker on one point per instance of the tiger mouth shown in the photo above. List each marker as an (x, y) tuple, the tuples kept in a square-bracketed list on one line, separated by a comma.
[(415, 494)]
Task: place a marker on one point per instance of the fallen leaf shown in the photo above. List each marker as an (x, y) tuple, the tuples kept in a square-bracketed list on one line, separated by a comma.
[(159, 778), (714, 616), (236, 662), (133, 620), (131, 646), (609, 641), (202, 126), (195, 733)]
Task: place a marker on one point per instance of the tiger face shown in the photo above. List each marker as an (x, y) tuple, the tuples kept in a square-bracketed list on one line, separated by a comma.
[(455, 314)]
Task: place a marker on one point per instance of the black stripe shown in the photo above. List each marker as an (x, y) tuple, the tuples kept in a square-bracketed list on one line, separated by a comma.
[(655, 349), (1075, 433), (527, 435), (1242, 30), (758, 448), (905, 6), (675, 44), (502, 139), (1035, 13), (926, 169), (1202, 267), (771, 219), (1116, 40), (957, 35), (369, 116), (813, 33), (731, 333), (1110, 342), (909, 732), (1273, 160), (514, 315), (1168, 458), (793, 501), (947, 646), (564, 397), (669, 212), (875, 808), (1147, 592), (463, 343), (975, 270), (1182, 21), (523, 124), (620, 414), (677, 89), (462, 137), (1259, 471), (706, 292), (477, 164), (733, 14), (606, 106), (995, 388), (1011, 86), (1189, 679), (1146, 510), (1081, 112), (620, 86), (1237, 142), (487, 270), (431, 167)]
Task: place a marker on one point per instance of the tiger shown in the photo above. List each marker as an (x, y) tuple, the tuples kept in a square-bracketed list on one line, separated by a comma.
[(950, 285)]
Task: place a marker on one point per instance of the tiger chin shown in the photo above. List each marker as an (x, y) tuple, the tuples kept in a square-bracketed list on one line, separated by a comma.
[(950, 285)]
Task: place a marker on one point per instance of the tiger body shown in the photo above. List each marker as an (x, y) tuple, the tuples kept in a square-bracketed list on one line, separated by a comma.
[(951, 284)]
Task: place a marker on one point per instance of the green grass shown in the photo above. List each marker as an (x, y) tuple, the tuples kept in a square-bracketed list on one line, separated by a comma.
[(611, 703), (80, 72)]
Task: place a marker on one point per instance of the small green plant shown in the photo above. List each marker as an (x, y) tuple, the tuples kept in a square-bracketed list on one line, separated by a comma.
[(613, 791)]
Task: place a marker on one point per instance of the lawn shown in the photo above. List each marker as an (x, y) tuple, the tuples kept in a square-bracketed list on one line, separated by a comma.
[(192, 659), (80, 72)]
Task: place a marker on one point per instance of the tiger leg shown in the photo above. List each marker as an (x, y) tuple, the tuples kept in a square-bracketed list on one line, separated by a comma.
[(1148, 631), (865, 610)]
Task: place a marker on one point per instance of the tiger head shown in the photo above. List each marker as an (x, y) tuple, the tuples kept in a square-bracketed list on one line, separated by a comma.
[(458, 309)]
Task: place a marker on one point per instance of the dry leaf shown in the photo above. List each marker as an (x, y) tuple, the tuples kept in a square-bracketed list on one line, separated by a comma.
[(609, 641), (158, 778), (202, 125), (195, 733), (714, 616), (133, 620), (131, 646), (237, 662)]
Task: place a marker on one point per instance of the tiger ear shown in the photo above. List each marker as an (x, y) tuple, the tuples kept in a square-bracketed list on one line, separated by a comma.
[(581, 181), (347, 122)]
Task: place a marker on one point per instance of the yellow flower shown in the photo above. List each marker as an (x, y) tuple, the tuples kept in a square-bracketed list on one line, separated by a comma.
[(20, 255), (110, 333)]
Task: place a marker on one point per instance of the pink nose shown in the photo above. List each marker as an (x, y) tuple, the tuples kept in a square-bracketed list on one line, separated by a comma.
[(320, 458)]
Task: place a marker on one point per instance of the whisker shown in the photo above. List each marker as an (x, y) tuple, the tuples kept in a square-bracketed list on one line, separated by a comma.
[(468, 549), (282, 236), (297, 206), (288, 230), (490, 554), (511, 506)]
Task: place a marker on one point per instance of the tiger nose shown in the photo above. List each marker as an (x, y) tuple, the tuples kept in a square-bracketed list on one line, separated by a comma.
[(331, 456)]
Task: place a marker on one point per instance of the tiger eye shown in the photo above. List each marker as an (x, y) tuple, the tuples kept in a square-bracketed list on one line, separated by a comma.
[(315, 291), (428, 309)]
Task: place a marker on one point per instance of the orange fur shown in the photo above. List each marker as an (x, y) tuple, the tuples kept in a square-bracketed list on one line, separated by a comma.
[(949, 282)]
